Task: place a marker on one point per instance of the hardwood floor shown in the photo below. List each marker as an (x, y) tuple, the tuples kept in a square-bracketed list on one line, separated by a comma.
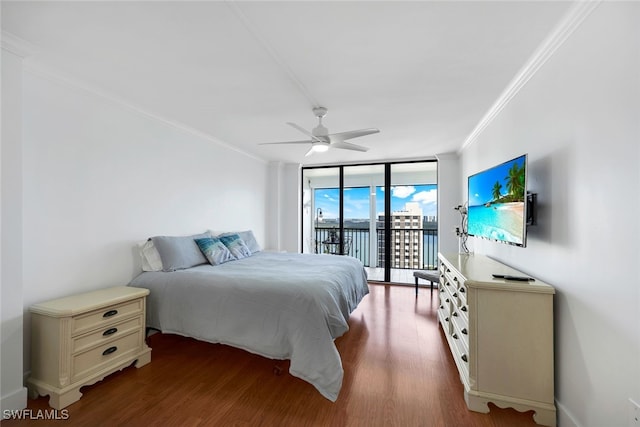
[(398, 372), (398, 275)]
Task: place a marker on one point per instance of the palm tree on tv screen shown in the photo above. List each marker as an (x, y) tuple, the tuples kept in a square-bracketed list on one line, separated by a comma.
[(515, 182), (495, 191)]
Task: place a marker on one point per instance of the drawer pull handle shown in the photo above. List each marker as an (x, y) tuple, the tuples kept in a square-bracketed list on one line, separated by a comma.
[(464, 357), (464, 331), (462, 291), (110, 350), (446, 319), (455, 295), (447, 300), (110, 331), (464, 308), (110, 313), (455, 313), (455, 336), (455, 279)]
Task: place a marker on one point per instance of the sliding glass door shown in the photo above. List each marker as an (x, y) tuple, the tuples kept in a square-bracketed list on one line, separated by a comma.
[(360, 216), (321, 213), (383, 214), (414, 221)]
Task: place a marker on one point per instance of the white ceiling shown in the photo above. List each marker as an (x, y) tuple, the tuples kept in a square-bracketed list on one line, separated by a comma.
[(423, 72)]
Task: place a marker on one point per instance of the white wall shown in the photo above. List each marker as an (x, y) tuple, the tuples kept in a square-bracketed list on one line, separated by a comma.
[(13, 395), (100, 177), (283, 216), (448, 197), (291, 219), (578, 119)]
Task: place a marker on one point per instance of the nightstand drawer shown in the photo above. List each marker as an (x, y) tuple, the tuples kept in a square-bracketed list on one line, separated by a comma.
[(105, 316), (94, 360), (107, 333)]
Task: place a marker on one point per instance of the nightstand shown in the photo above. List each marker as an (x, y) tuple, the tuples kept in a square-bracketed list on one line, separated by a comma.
[(79, 340)]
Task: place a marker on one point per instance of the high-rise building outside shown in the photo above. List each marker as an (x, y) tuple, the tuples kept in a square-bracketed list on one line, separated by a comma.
[(407, 243)]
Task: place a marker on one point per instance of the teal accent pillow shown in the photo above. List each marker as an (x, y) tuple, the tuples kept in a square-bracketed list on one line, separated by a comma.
[(249, 239), (214, 250), (236, 245)]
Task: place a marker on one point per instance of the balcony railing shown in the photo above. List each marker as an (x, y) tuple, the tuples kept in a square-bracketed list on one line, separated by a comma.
[(412, 248)]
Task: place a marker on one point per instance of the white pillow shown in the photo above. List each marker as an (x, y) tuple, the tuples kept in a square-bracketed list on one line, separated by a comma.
[(150, 256)]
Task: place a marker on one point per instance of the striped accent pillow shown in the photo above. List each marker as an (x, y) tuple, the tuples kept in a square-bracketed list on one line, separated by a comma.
[(236, 245), (214, 250)]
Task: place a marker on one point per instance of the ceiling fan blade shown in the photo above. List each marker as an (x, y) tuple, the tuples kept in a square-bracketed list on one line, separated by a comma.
[(343, 136), (310, 152), (303, 130), (306, 141), (349, 146)]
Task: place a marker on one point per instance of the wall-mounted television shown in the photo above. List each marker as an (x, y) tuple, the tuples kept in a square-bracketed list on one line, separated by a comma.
[(497, 203)]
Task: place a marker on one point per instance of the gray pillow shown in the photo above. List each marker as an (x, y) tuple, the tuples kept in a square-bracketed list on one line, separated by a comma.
[(179, 252)]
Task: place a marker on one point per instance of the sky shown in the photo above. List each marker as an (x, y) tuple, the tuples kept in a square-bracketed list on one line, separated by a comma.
[(356, 200), (481, 184)]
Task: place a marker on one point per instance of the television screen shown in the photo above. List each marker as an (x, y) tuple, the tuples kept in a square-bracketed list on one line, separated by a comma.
[(497, 203)]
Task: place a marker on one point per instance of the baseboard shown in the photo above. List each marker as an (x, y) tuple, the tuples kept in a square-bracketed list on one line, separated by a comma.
[(565, 417), (15, 401)]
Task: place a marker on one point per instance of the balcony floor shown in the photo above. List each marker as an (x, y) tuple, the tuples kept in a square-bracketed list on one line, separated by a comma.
[(398, 275)]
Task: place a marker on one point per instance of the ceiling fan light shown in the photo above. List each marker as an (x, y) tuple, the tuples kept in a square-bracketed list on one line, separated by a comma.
[(320, 148)]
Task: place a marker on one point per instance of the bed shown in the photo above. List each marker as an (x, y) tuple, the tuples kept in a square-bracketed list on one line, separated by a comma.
[(278, 305)]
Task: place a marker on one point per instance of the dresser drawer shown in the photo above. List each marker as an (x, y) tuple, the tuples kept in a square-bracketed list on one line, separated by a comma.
[(462, 294), (105, 316), (88, 362), (448, 282), (444, 309), (445, 322), (457, 298), (107, 333), (461, 355), (456, 281), (461, 330)]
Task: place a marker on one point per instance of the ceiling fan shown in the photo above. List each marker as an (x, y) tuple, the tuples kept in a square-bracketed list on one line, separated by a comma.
[(321, 140)]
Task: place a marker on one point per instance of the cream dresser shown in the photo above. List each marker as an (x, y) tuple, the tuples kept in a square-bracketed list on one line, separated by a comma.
[(78, 340), (500, 333)]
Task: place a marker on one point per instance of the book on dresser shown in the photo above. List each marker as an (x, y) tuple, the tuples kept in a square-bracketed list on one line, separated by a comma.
[(80, 339), (500, 333)]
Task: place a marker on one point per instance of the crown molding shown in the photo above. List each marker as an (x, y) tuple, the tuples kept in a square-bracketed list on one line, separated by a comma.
[(24, 49), (16, 45), (577, 13), (48, 72), (447, 156)]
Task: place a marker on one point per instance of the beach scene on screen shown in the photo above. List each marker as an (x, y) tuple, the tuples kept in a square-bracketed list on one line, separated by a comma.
[(497, 202)]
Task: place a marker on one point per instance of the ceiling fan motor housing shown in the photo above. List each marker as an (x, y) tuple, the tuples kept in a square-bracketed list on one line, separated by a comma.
[(320, 131), (320, 112)]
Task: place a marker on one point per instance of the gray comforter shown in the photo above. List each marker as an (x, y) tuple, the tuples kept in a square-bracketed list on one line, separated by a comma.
[(278, 305)]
